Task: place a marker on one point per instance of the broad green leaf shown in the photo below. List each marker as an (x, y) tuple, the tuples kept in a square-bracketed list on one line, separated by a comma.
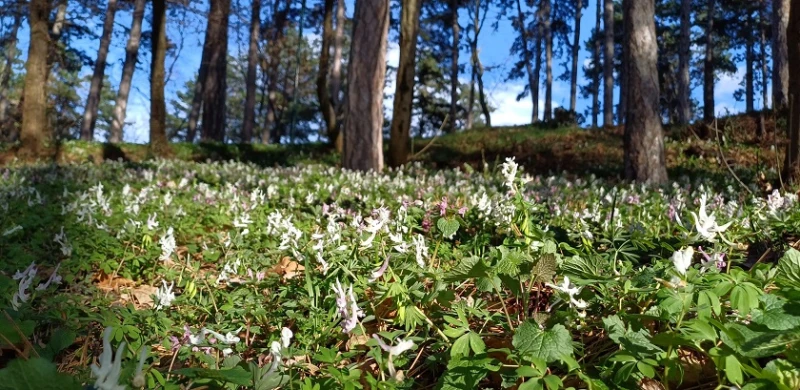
[(460, 346), (448, 226), (707, 303), (783, 373), (549, 345), (789, 268), (774, 316), (545, 269), (236, 375), (744, 297), (733, 370), (468, 268), (35, 374), (476, 343)]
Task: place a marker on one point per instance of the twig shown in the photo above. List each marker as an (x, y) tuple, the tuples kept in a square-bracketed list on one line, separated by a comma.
[(435, 137), (722, 156)]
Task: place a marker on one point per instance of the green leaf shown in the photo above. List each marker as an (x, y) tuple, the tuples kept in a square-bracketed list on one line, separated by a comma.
[(467, 372), (468, 268), (545, 269), (476, 343), (733, 370), (774, 316), (638, 343), (236, 375), (448, 227), (789, 268), (783, 372), (549, 345), (707, 303), (646, 369), (744, 297), (553, 382), (460, 346), (509, 261), (8, 330), (60, 340), (35, 374)]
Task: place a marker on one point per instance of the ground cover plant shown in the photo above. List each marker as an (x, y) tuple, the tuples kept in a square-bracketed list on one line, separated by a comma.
[(170, 274)]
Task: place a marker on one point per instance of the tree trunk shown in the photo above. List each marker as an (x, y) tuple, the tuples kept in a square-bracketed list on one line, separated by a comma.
[(548, 50), (596, 61), (537, 72), (454, 83), (158, 105), (5, 77), (252, 68), (363, 128), (96, 86), (214, 84), (487, 115), (131, 56), (708, 65), (576, 47), (608, 64), (749, 63), (762, 28), (791, 166), (34, 132), (323, 93), (336, 72), (404, 91), (644, 139), (780, 55), (685, 55), (533, 81), (471, 102), (622, 107), (280, 20)]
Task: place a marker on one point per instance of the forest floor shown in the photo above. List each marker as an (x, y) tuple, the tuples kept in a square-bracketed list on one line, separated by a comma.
[(691, 150)]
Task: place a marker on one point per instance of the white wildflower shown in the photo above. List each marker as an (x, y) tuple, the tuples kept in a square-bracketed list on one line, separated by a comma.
[(421, 249), (167, 243), (164, 295), (571, 290), (682, 259), (54, 278), (286, 337), (509, 172), (152, 223), (347, 306), (110, 367), (706, 224), (228, 338), (399, 348)]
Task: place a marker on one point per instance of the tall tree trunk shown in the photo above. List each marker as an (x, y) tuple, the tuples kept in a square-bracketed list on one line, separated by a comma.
[(34, 132), (404, 90), (487, 115), (596, 61), (363, 128), (471, 102), (684, 57), (533, 82), (576, 47), (537, 71), (780, 55), (323, 93), (749, 63), (336, 72), (131, 56), (791, 166), (763, 23), (158, 105), (622, 107), (280, 22), (709, 75), (251, 78), (608, 64), (197, 100), (454, 83), (548, 50), (644, 138), (5, 77), (214, 84), (96, 86)]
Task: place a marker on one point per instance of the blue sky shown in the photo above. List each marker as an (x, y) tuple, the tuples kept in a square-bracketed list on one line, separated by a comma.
[(494, 50)]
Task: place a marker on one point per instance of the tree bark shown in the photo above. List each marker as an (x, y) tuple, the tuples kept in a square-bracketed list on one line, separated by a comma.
[(323, 92), (762, 28), (596, 61), (622, 107), (533, 81), (576, 47), (791, 166), (644, 139), (709, 75), (454, 83), (34, 133), (404, 90), (131, 56), (336, 72), (214, 84), (363, 129), (749, 63), (548, 52), (251, 78), (5, 77), (280, 20), (684, 57), (96, 85), (608, 64), (158, 106), (780, 55)]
